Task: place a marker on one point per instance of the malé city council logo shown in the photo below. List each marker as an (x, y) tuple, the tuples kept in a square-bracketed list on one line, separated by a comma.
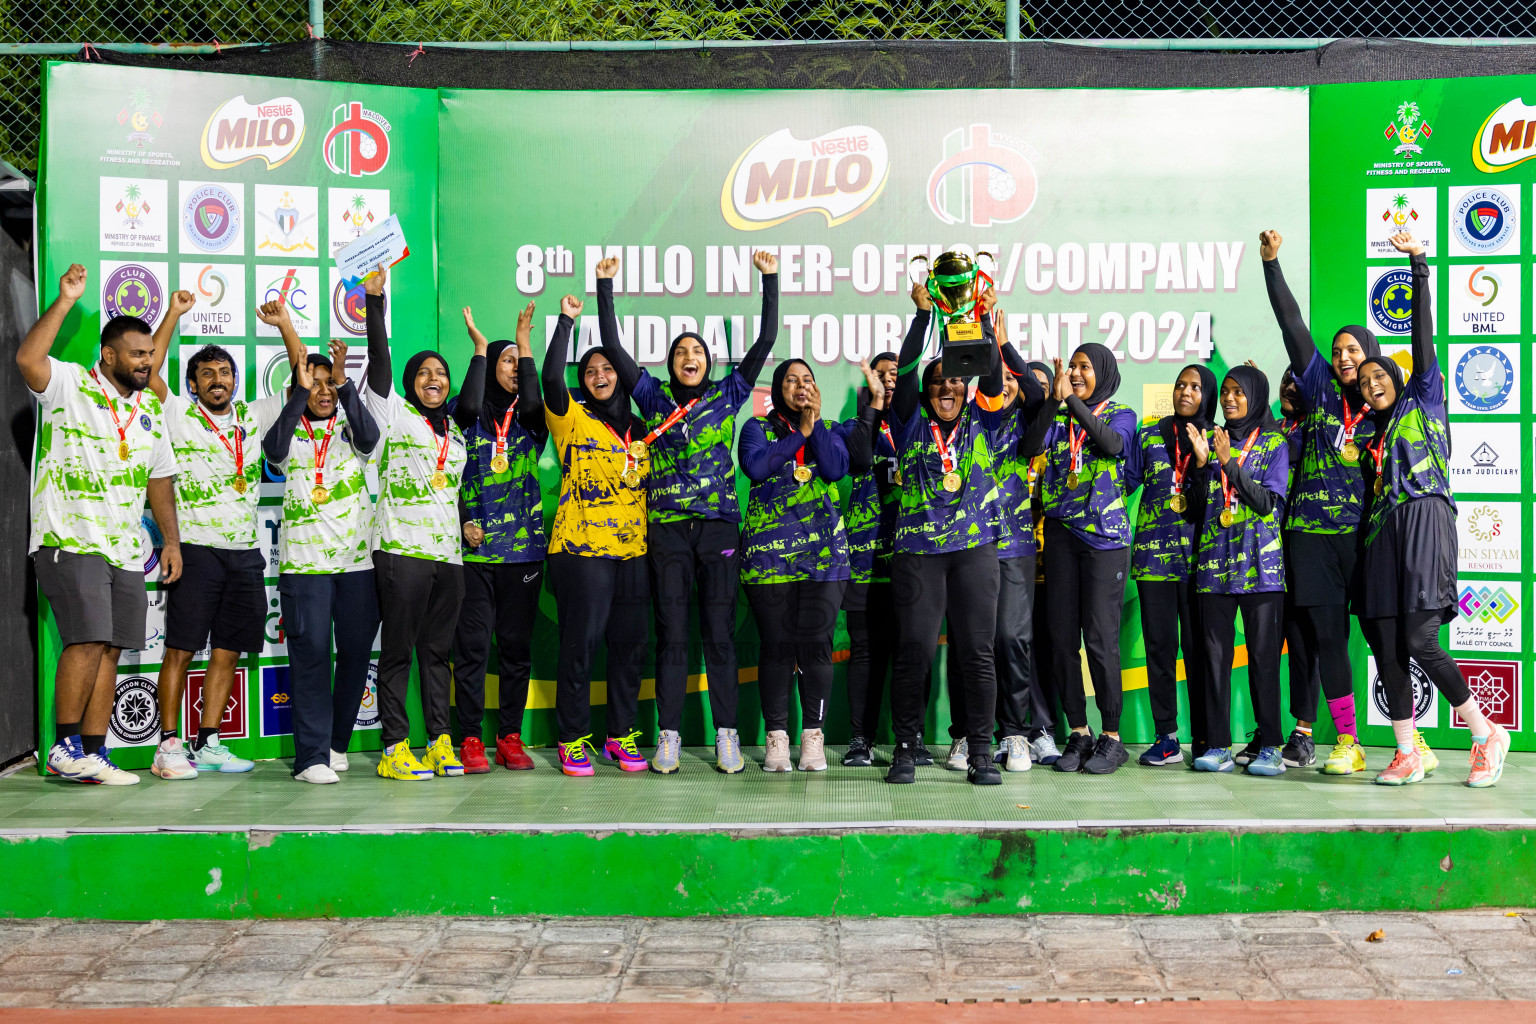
[(1483, 220), (984, 179), (1392, 301), (1480, 604), (358, 142), (1485, 378), (132, 290)]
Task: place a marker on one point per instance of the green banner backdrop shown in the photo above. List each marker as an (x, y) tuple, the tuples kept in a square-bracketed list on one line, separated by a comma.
[(1128, 217)]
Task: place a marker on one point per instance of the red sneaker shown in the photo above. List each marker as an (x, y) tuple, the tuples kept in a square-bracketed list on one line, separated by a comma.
[(510, 753), (472, 756)]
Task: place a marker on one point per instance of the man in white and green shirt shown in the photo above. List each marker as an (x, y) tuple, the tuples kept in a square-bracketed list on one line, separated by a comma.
[(220, 602), (101, 448), (321, 443)]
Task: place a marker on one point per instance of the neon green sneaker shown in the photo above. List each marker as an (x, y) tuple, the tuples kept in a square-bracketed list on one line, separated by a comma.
[(400, 764), (1427, 757), (441, 758), (1346, 759)]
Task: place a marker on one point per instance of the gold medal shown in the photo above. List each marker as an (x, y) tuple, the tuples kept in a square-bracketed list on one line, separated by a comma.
[(803, 474), (238, 483), (122, 450), (1381, 485), (631, 478), (1072, 481), (1350, 452), (896, 477), (499, 464), (319, 495), (951, 482), (439, 480), (1178, 503), (637, 449), (1226, 517)]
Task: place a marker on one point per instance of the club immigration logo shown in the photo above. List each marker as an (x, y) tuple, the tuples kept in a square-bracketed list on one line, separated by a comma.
[(838, 175), (1506, 139), (1408, 127), (1483, 220), (1392, 301), (358, 142), (135, 712), (139, 115), (983, 179), (132, 289), (211, 217), (238, 132), (1485, 378), (1496, 685)]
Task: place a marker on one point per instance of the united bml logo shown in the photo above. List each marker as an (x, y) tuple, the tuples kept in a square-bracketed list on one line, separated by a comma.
[(982, 180), (358, 142)]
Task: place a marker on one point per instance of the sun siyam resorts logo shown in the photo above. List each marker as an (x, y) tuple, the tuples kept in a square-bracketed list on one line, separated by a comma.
[(838, 175)]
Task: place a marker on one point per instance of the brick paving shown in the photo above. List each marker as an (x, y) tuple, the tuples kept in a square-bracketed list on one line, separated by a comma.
[(1447, 955)]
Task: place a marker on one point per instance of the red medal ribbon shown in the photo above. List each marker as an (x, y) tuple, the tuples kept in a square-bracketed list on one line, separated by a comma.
[(885, 430), (1378, 453), (1288, 426), (799, 452), (322, 448), (630, 462), (442, 449), (1227, 490), (1077, 437), (1180, 469), (122, 431), (943, 443), (237, 449), (504, 426), (671, 421), (1350, 422)]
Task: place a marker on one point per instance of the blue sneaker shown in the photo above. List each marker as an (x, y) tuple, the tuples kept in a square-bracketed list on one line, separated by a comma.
[(1217, 759), (1269, 762), (1165, 751)]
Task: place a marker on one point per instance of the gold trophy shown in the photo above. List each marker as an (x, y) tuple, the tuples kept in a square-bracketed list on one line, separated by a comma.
[(955, 283)]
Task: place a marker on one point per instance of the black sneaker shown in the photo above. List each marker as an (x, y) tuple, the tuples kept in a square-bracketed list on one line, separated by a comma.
[(1108, 754), (1299, 750), (1249, 753), (982, 772), (858, 754), (903, 768), (1079, 744), (921, 755)]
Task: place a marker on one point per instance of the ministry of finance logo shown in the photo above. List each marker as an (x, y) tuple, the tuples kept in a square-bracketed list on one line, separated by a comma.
[(984, 179), (1485, 378), (1483, 220), (358, 142)]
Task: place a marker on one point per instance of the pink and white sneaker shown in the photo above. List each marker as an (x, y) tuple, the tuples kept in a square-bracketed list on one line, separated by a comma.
[(1487, 759)]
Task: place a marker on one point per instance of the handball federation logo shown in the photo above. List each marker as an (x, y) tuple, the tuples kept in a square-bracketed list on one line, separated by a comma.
[(211, 217), (1485, 378), (983, 179), (1483, 220), (358, 142), (1392, 301), (132, 290)]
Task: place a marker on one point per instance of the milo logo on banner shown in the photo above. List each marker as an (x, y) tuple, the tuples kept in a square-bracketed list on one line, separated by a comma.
[(839, 175), (239, 131), (1506, 139)]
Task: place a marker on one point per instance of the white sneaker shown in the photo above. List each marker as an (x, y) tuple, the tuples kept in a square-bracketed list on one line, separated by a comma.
[(214, 756), (813, 754), (1017, 754), (318, 774), (959, 758), (171, 762), (109, 774), (339, 761), (777, 758), (1044, 749), (68, 761)]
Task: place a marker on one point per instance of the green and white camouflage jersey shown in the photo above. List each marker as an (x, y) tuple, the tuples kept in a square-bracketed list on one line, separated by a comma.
[(415, 518), (337, 534), (211, 508), (85, 498)]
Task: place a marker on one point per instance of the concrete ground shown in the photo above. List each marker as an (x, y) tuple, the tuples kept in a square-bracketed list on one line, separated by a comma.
[(1470, 955)]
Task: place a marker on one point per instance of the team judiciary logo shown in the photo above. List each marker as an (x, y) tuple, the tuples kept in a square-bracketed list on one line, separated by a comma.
[(982, 180), (1506, 139), (358, 142), (239, 131), (838, 175)]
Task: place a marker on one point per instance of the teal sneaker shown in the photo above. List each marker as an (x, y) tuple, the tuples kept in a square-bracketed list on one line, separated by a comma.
[(1217, 759), (214, 756), (1269, 762)]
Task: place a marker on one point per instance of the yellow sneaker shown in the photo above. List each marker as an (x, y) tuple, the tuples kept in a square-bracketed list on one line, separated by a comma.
[(1346, 759), (441, 759), (400, 764), (1426, 756)]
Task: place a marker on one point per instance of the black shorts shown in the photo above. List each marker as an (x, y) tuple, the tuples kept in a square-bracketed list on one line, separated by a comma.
[(1411, 565), (93, 601), (1322, 568), (221, 597)]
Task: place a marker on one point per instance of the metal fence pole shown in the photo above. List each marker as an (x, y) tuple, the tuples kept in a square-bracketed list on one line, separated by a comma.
[(1011, 21), (317, 17)]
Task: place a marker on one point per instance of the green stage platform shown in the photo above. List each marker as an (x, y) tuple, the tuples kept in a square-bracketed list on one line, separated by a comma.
[(1145, 839)]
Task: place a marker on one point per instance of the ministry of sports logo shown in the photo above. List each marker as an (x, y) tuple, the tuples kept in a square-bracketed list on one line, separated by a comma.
[(1483, 220), (139, 116), (132, 290), (1485, 378), (211, 216), (358, 142), (984, 179), (1408, 127), (1392, 301)]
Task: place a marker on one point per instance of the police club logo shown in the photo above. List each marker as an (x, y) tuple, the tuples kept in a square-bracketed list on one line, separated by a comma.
[(1483, 220), (135, 712), (211, 218), (1392, 301), (132, 289), (358, 142), (1485, 378)]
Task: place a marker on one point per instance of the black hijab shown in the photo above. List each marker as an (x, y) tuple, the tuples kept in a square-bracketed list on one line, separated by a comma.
[(1395, 371), (1173, 427), (497, 399), (437, 417), (864, 395), (614, 411), (312, 360), (784, 419), (1050, 374), (1106, 372), (1256, 389), (930, 374), (682, 393), (1367, 340)]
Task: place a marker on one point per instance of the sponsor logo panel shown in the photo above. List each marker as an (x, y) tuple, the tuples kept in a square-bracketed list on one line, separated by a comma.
[(212, 219), (357, 143), (233, 724), (1390, 210), (1485, 299), (1506, 139), (134, 215), (350, 213), (297, 286), (1496, 685), (237, 132), (1426, 709), (1486, 458), (276, 703), (1485, 220), (1485, 378), (368, 707), (348, 311), (838, 175), (1488, 536), (1488, 616), (1389, 298), (220, 292), (287, 221), (133, 289), (985, 178)]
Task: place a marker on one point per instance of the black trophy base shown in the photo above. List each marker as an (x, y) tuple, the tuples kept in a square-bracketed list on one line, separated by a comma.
[(965, 359)]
